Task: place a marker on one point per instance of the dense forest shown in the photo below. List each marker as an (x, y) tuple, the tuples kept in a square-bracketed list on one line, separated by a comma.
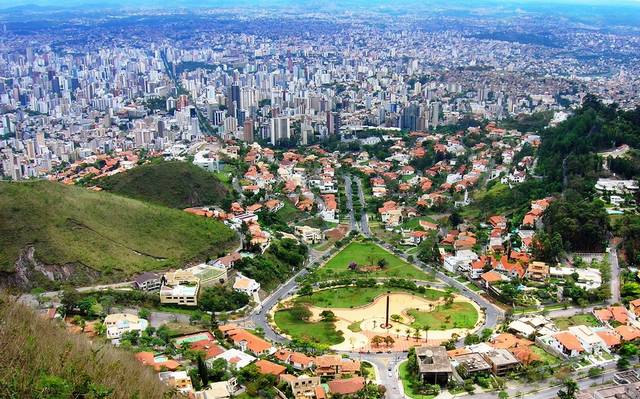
[(569, 161)]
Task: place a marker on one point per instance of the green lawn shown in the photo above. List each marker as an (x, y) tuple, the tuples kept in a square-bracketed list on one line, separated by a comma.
[(409, 384), (288, 212), (355, 326), (545, 357), (347, 297), (588, 320), (108, 236), (444, 317), (414, 223), (364, 254), (321, 332)]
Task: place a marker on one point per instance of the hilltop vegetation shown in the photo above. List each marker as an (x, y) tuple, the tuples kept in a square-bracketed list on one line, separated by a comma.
[(40, 359), (568, 155), (174, 184), (82, 236)]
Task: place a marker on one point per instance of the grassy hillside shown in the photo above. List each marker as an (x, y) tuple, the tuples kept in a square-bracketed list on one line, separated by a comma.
[(42, 360), (113, 235), (174, 184)]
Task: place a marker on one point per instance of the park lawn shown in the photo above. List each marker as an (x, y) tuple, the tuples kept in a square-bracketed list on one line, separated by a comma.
[(349, 297), (366, 253), (409, 384), (462, 315), (321, 332), (545, 357), (588, 320), (355, 326)]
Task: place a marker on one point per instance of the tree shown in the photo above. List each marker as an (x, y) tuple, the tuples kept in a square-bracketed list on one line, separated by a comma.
[(455, 219), (377, 340), (389, 341), (569, 391), (503, 395), (305, 290), (144, 313), (382, 263), (300, 312), (595, 372), (203, 372), (327, 315), (70, 300)]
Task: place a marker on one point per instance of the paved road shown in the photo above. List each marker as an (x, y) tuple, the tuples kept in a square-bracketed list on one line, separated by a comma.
[(349, 194), (364, 222), (615, 272)]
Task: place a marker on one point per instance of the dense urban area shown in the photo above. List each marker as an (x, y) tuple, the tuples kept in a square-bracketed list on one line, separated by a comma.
[(320, 201)]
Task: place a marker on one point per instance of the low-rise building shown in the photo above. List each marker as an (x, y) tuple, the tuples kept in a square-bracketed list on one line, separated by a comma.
[(148, 281), (219, 390), (120, 323), (179, 380), (333, 365), (309, 235), (180, 288), (434, 365), (501, 361), (247, 285)]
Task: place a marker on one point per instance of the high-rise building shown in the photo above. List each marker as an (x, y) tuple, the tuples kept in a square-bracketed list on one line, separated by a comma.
[(279, 129), (410, 115), (247, 131), (333, 122)]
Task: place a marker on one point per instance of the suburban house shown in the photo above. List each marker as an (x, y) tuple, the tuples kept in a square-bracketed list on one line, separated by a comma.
[(346, 386), (333, 366), (501, 361), (298, 360), (179, 380), (148, 281), (563, 343), (434, 365), (247, 341), (219, 390), (180, 288), (227, 261), (303, 386), (247, 285), (157, 362), (537, 271), (617, 314), (120, 323), (309, 235), (267, 367), (589, 340)]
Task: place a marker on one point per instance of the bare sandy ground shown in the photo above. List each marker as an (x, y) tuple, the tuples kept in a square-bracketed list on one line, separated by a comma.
[(372, 316)]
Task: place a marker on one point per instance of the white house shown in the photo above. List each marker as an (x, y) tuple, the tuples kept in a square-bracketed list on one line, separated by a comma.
[(590, 341), (120, 323), (247, 285), (237, 358)]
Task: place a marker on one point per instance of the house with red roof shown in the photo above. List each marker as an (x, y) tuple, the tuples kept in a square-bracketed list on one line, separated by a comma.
[(267, 367), (617, 314), (347, 386)]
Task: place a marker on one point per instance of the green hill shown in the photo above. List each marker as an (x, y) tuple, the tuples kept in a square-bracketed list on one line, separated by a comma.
[(175, 184), (42, 360), (83, 236)]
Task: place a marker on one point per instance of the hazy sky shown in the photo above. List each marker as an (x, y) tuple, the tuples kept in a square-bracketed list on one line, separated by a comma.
[(213, 3)]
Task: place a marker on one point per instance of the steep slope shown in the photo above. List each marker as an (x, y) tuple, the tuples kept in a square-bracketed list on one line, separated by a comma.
[(53, 232), (174, 184), (42, 360)]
